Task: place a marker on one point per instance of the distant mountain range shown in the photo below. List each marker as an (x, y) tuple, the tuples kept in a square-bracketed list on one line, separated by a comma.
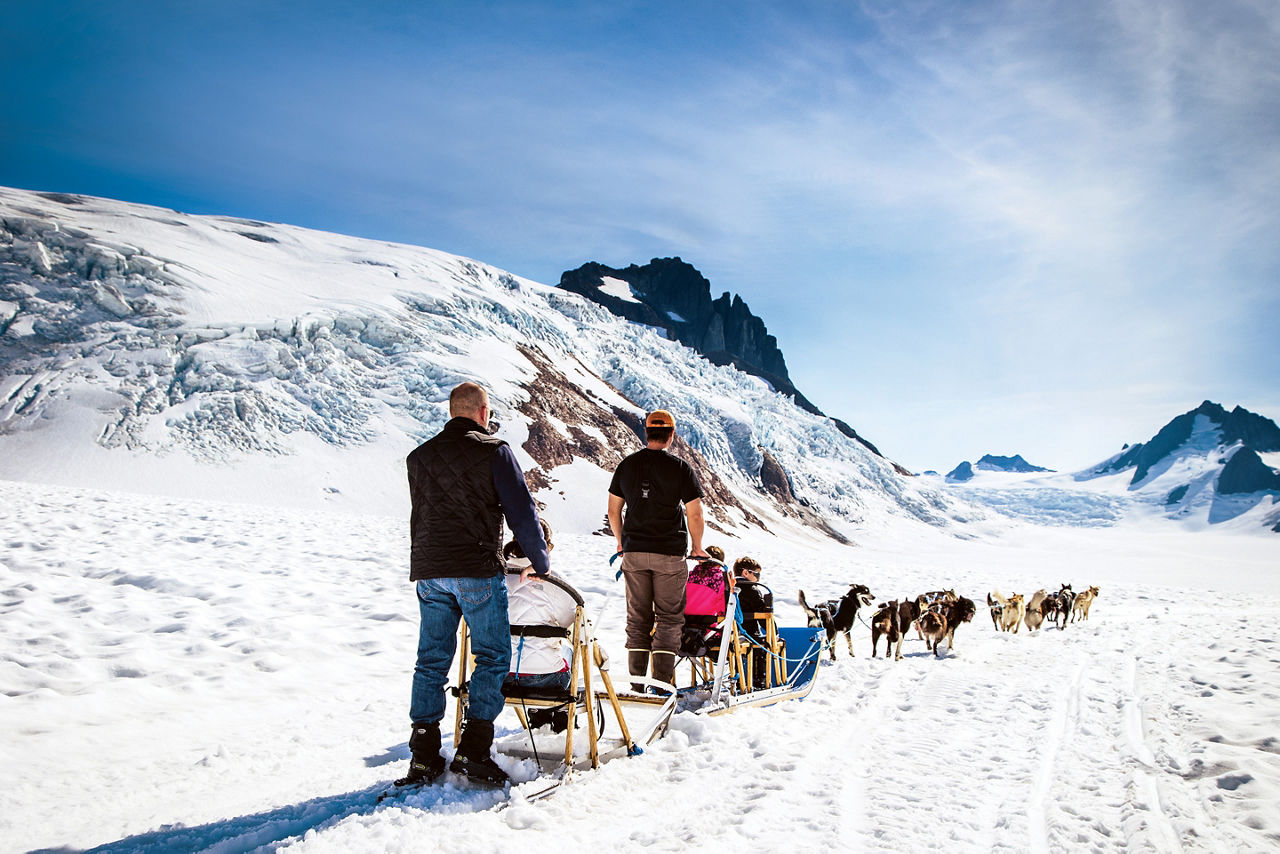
[(1205, 457), (991, 462), (1206, 465), (1232, 432), (231, 359)]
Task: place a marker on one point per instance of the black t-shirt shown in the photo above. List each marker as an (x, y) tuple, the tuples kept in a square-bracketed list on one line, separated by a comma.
[(655, 487)]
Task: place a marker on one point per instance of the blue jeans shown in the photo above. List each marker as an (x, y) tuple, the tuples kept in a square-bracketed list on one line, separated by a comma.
[(443, 602)]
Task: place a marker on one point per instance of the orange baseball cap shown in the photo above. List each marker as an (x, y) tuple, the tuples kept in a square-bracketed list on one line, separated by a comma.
[(660, 418)]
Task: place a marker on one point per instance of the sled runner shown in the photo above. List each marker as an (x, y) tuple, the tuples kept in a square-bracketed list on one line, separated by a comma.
[(552, 718)]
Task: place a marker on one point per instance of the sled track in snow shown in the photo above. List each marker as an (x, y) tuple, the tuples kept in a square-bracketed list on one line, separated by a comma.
[(1064, 723)]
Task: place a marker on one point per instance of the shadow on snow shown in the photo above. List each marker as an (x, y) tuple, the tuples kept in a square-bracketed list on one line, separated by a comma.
[(272, 829)]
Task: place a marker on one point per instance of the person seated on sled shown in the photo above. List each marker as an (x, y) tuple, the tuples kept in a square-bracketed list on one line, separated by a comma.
[(706, 598), (707, 590), (753, 598), (540, 664)]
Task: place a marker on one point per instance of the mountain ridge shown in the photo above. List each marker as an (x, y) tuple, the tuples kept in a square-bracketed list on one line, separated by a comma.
[(1238, 426), (220, 358)]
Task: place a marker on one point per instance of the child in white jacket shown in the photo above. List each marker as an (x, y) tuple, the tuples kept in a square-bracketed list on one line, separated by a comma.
[(536, 662)]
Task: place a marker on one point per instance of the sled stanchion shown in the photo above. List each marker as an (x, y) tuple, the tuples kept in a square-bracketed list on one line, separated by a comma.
[(464, 653), (598, 655), (726, 640)]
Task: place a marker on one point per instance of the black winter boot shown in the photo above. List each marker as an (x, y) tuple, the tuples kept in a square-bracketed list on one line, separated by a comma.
[(664, 666), (473, 760), (638, 664), (557, 718), (427, 764)]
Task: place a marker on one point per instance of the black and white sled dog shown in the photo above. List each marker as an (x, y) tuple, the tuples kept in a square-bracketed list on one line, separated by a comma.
[(837, 615)]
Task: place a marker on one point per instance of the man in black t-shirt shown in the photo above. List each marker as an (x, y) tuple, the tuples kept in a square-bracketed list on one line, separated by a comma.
[(658, 491)]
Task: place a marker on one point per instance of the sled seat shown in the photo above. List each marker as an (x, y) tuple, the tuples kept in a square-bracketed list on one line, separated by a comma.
[(588, 670), (775, 658)]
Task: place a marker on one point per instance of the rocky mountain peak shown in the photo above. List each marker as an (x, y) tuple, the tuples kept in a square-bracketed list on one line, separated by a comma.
[(1246, 473), (672, 295)]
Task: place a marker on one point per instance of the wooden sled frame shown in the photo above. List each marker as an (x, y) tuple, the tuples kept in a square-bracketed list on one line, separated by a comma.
[(588, 668), (787, 678), (738, 665)]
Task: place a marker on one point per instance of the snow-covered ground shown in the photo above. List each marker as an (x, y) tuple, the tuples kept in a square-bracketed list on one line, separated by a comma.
[(182, 675)]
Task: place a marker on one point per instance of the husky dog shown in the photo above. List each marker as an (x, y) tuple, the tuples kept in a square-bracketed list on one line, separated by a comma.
[(1080, 611), (837, 615), (997, 609), (957, 612), (1014, 610), (933, 625), (1059, 605), (888, 623), (1035, 610)]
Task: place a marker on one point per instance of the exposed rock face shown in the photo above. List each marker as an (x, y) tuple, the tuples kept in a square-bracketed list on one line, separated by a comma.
[(775, 480), (961, 473), (672, 295), (552, 396), (1245, 472)]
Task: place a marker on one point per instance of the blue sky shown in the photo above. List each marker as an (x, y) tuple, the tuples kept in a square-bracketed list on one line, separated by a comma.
[(1037, 228)]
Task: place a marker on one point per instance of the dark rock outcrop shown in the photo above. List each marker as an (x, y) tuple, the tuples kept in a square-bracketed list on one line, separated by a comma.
[(775, 480), (672, 295), (552, 396), (961, 473), (1245, 473)]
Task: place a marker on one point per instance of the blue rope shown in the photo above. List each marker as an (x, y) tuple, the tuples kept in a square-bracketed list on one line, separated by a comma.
[(742, 632)]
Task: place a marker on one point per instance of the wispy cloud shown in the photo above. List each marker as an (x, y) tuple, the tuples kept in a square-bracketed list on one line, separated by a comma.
[(985, 196)]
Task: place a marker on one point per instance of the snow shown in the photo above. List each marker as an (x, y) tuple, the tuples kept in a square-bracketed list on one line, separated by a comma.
[(229, 677), (1180, 488), (301, 366), (618, 288), (207, 631)]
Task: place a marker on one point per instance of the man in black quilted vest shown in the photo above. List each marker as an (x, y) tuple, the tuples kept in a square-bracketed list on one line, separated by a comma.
[(657, 490), (462, 482)]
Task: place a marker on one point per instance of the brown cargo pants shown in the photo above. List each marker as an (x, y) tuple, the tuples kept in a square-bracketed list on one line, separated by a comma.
[(655, 610)]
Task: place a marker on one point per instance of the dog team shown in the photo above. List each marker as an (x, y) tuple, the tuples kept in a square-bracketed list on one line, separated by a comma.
[(935, 616), (1008, 612)]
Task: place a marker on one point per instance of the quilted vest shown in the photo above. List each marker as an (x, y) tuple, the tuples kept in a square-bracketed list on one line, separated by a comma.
[(456, 520)]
